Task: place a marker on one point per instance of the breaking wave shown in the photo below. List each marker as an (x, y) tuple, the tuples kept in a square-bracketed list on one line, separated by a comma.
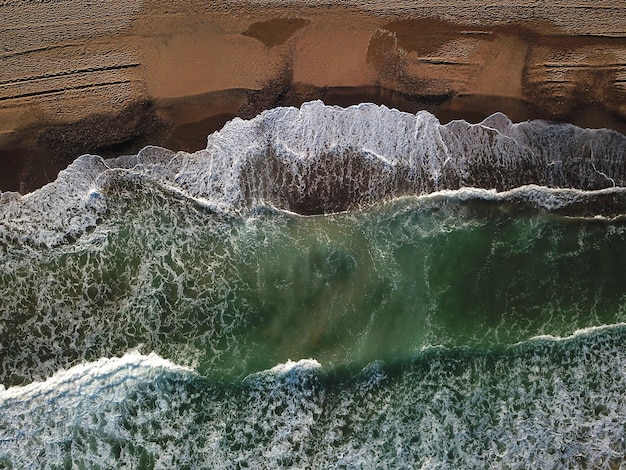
[(322, 159)]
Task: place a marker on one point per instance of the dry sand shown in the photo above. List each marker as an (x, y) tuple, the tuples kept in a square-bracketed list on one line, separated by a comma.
[(111, 76)]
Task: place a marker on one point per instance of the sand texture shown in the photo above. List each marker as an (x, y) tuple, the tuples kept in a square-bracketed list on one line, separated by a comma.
[(113, 75)]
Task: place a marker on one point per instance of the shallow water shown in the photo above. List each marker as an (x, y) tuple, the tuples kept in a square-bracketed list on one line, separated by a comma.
[(144, 312)]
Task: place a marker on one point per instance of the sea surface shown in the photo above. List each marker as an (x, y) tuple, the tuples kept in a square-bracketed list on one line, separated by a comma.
[(322, 287)]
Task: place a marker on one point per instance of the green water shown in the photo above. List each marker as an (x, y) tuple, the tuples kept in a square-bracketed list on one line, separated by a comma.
[(232, 295), (150, 304)]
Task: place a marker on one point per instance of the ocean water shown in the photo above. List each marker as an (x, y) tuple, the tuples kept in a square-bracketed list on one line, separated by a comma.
[(322, 288)]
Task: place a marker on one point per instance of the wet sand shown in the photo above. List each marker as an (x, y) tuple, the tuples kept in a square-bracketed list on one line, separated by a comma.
[(113, 77)]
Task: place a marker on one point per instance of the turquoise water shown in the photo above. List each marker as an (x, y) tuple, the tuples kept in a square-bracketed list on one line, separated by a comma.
[(452, 329)]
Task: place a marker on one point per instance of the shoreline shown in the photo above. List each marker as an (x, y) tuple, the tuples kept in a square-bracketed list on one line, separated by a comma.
[(185, 123), (169, 74)]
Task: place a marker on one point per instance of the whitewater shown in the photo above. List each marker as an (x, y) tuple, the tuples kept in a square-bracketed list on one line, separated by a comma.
[(322, 287)]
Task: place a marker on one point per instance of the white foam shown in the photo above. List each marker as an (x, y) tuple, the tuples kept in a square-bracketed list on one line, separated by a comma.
[(292, 366), (325, 159), (302, 366), (91, 378), (591, 330), (542, 197), (39, 418)]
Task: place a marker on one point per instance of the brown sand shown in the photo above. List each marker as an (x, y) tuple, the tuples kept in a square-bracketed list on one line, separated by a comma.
[(109, 77)]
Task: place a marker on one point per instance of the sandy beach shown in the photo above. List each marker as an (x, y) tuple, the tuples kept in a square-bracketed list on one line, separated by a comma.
[(113, 76)]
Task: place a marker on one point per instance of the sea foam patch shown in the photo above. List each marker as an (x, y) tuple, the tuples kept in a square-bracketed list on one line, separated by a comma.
[(40, 420)]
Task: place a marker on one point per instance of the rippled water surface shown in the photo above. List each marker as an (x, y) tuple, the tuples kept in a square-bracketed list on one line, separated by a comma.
[(322, 288)]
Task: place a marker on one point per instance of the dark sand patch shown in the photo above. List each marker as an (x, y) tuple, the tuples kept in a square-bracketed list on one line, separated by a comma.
[(12, 164), (192, 136), (425, 36), (275, 32)]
